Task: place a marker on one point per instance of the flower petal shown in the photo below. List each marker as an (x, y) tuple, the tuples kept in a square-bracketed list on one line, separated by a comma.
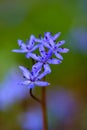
[(58, 55), (56, 36), (28, 55), (60, 43), (48, 54), (49, 39), (31, 85), (31, 41), (19, 51), (47, 35), (42, 83), (63, 50), (45, 44), (21, 44), (26, 72), (47, 68), (43, 74), (26, 82), (54, 61), (42, 50), (36, 68), (34, 56), (38, 40), (35, 47), (51, 42)]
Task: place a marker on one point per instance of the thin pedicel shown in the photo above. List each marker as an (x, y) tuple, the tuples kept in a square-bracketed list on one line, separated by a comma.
[(35, 98)]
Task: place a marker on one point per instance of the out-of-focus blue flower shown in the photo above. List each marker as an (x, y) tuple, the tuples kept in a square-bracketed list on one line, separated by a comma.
[(27, 48), (79, 36), (10, 91), (66, 104), (32, 119), (32, 78)]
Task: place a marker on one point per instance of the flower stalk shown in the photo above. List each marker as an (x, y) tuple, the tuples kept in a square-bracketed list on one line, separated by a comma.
[(34, 97), (44, 109)]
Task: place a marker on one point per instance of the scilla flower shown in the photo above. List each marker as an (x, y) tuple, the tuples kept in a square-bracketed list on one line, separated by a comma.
[(32, 78), (49, 42), (27, 48), (46, 56), (47, 47)]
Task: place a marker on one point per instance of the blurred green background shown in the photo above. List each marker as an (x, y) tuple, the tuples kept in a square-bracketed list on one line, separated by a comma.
[(21, 18)]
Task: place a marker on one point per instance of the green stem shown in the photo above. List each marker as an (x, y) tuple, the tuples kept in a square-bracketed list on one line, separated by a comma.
[(44, 110)]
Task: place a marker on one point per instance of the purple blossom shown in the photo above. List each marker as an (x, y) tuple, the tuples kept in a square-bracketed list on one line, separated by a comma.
[(29, 47), (46, 56), (32, 78), (41, 68), (44, 60), (49, 42)]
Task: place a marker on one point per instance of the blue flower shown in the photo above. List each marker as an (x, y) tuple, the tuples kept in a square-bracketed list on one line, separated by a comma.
[(46, 56), (44, 60), (29, 47), (32, 78), (49, 42), (47, 47)]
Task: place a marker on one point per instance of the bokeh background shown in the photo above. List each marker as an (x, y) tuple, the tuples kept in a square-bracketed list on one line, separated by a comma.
[(67, 94)]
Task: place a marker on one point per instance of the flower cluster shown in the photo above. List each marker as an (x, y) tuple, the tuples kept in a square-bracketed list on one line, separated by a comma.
[(49, 53)]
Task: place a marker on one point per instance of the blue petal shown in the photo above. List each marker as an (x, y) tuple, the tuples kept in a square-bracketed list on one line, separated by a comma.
[(41, 75), (26, 82), (49, 39), (58, 55), (42, 50), (19, 51), (47, 68), (36, 67), (60, 43), (35, 57), (49, 54), (63, 50), (28, 55), (56, 36), (54, 61), (21, 44), (45, 44), (38, 40), (42, 83), (26, 72), (51, 42), (47, 35), (31, 85), (35, 47), (31, 41)]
